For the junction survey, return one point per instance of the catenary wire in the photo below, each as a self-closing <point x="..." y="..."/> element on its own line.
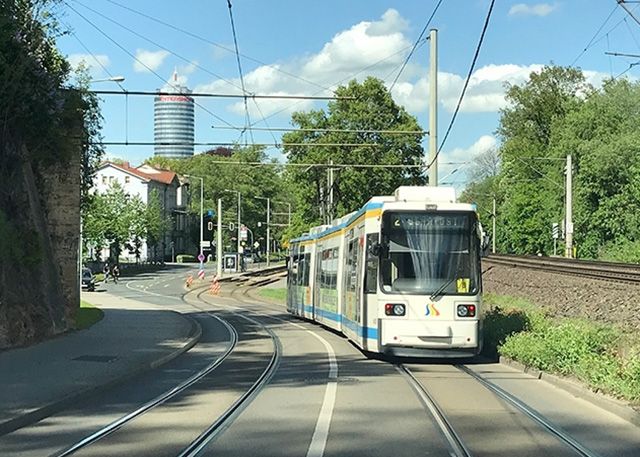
<point x="594" y="36"/>
<point x="244" y="92"/>
<point x="155" y="43"/>
<point x="406" y="61"/>
<point x="88" y="51"/>
<point x="138" y="60"/>
<point x="218" y="45"/>
<point x="231" y="83"/>
<point x="466" y="84"/>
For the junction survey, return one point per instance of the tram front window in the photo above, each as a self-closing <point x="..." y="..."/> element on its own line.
<point x="426" y="251"/>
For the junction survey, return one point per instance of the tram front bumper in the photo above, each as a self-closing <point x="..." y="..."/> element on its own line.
<point x="431" y="334"/>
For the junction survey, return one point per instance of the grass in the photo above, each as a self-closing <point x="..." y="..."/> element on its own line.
<point x="277" y="294"/>
<point x="600" y="355"/>
<point x="87" y="315"/>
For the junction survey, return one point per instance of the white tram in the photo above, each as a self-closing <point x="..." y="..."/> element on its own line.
<point x="401" y="276"/>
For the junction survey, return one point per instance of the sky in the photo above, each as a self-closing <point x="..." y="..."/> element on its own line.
<point x="306" y="47"/>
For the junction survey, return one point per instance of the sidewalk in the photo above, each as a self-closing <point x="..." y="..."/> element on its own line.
<point x="132" y="337"/>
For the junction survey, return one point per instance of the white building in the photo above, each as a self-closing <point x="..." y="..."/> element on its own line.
<point x="174" y="200"/>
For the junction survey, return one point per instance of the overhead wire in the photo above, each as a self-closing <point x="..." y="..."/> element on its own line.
<point x="217" y="45"/>
<point x="594" y="36"/>
<point x="244" y="92"/>
<point x="158" y="45"/>
<point x="88" y="51"/>
<point x="466" y="84"/>
<point x="406" y="61"/>
<point x="138" y="60"/>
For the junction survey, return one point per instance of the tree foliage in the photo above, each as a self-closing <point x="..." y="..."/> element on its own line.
<point x="554" y="114"/>
<point x="249" y="171"/>
<point x="118" y="220"/>
<point x="365" y="107"/>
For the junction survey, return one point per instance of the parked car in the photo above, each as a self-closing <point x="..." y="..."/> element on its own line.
<point x="88" y="280"/>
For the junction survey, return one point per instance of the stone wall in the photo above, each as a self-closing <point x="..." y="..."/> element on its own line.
<point x="62" y="205"/>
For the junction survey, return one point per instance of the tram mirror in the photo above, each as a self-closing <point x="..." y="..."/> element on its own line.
<point x="485" y="245"/>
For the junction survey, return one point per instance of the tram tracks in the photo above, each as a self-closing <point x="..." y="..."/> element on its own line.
<point x="609" y="271"/>
<point x="453" y="436"/>
<point x="226" y="417"/>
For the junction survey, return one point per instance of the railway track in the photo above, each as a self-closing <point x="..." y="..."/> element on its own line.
<point x="226" y="417"/>
<point x="609" y="271"/>
<point x="454" y="437"/>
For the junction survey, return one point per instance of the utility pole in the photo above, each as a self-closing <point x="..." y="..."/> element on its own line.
<point x="568" y="211"/>
<point x="238" y="244"/>
<point x="493" y="232"/>
<point x="219" y="246"/>
<point x="330" y="176"/>
<point x="268" y="231"/>
<point x="433" y="109"/>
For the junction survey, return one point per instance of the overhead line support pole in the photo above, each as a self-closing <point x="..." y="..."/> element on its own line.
<point x="219" y="244"/>
<point x="433" y="108"/>
<point x="569" y="211"/>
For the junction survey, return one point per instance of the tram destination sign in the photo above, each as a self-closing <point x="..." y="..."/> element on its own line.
<point x="428" y="221"/>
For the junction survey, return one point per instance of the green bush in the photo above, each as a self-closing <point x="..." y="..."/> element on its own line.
<point x="583" y="349"/>
<point x="184" y="258"/>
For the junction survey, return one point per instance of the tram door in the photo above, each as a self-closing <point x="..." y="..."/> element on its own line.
<point x="317" y="284"/>
<point x="370" y="290"/>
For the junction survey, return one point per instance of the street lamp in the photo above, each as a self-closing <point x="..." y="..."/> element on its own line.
<point x="268" y="227"/>
<point x="201" y="256"/>
<point x="115" y="79"/>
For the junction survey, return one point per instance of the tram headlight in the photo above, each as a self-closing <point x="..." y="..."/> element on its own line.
<point x="466" y="310"/>
<point x="394" y="309"/>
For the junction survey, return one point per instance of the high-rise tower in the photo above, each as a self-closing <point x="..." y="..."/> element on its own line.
<point x="174" y="120"/>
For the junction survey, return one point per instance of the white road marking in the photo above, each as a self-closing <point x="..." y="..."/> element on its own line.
<point x="321" y="432"/>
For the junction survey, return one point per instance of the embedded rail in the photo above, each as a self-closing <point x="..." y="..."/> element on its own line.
<point x="609" y="271"/>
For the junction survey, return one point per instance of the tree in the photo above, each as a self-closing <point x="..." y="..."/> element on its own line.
<point x="604" y="140"/>
<point x="116" y="218"/>
<point x="531" y="177"/>
<point x="248" y="171"/>
<point x="357" y="118"/>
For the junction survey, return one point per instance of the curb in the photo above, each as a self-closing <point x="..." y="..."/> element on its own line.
<point x="49" y="409"/>
<point x="577" y="389"/>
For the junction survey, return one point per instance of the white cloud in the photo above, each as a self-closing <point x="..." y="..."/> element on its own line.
<point x="485" y="92"/>
<point x="539" y="9"/>
<point x="93" y="62"/>
<point x="340" y="59"/>
<point x="148" y="60"/>
<point x="452" y="166"/>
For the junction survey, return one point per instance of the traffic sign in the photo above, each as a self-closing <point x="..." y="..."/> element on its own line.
<point x="210" y="226"/>
<point x="555" y="230"/>
<point x="200" y="257"/>
<point x="232" y="226"/>
<point x="256" y="245"/>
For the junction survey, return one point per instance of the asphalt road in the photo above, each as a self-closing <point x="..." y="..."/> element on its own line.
<point x="321" y="396"/>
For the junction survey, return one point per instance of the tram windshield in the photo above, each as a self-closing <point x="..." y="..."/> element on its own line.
<point x="424" y="252"/>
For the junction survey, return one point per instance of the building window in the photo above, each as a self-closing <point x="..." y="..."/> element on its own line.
<point x="110" y="179"/>
<point x="127" y="179"/>
<point x="104" y="179"/>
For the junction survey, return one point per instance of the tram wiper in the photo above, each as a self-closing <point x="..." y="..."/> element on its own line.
<point x="441" y="289"/>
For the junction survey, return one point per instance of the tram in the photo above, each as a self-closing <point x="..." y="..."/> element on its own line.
<point x="400" y="277"/>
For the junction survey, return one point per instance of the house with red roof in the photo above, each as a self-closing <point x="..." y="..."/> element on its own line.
<point x="173" y="191"/>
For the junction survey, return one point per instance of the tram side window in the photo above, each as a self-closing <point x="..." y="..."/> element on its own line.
<point x="371" y="269"/>
<point x="352" y="270"/>
<point x="306" y="264"/>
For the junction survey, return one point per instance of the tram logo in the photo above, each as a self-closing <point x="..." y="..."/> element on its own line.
<point x="432" y="310"/>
